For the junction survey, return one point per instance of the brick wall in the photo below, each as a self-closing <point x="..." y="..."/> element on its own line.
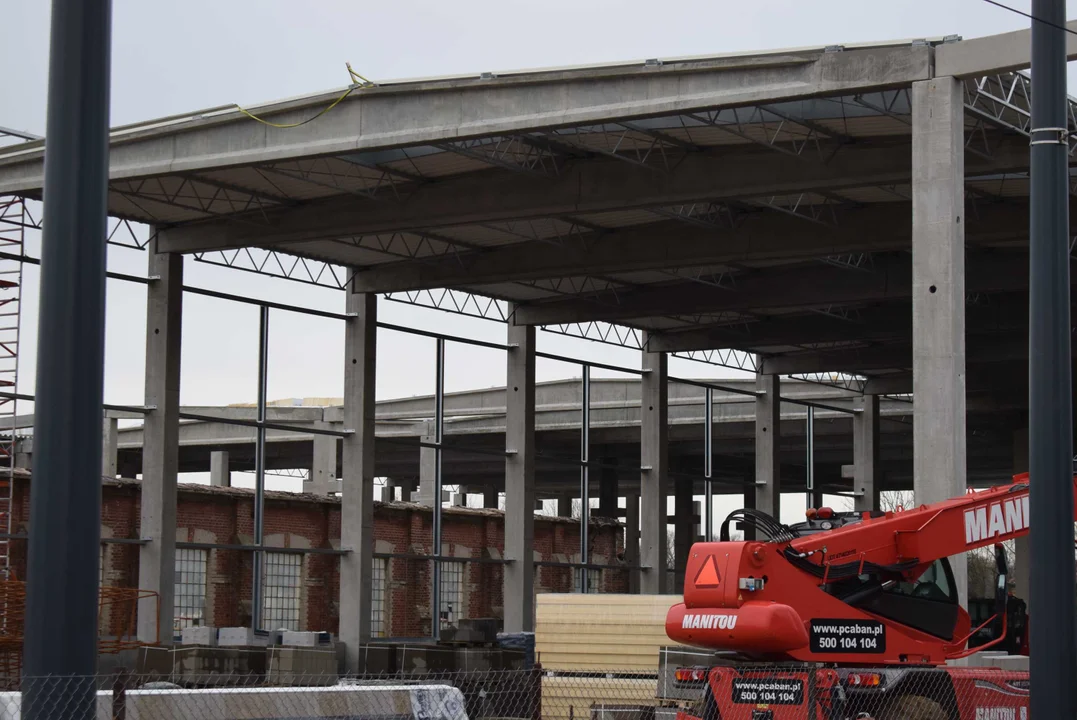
<point x="225" y="516"/>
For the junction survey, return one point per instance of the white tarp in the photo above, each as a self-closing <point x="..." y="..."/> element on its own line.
<point x="339" y="702"/>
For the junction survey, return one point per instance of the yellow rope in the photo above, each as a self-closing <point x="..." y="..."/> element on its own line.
<point x="358" y="81"/>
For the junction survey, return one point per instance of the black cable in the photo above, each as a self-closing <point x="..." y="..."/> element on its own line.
<point x="1030" y="16"/>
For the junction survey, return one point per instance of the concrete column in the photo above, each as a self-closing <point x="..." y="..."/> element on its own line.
<point x="749" y="502"/>
<point x="938" y="299"/>
<point x="388" y="491"/>
<point x="684" y="529"/>
<point x="1023" y="552"/>
<point x="323" y="469"/>
<point x="428" y="467"/>
<point x="160" y="448"/>
<point x="407" y="489"/>
<point x="357" y="488"/>
<point x="519" y="592"/>
<point x="219" y="473"/>
<point x="866" y="481"/>
<point x="490" y="498"/>
<point x="768" y="444"/>
<point x="632" y="541"/>
<point x="564" y="505"/>
<point x="110" y="438"/>
<point x="607" y="489"/>
<point x="654" y="464"/>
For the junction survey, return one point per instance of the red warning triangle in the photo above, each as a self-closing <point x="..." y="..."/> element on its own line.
<point x="707" y="577"/>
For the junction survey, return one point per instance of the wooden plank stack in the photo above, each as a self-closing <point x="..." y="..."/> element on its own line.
<point x="600" y="632"/>
<point x="602" y="650"/>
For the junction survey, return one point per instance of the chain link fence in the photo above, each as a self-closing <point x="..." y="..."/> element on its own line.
<point x="734" y="692"/>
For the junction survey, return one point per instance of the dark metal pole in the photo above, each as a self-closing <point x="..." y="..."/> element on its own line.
<point x="708" y="464"/>
<point x="585" y="475"/>
<point x="809" y="460"/>
<point x="439" y="432"/>
<point x="258" y="582"/>
<point x="60" y="652"/>
<point x="1053" y="639"/>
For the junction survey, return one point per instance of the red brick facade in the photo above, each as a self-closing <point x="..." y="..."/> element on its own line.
<point x="225" y="516"/>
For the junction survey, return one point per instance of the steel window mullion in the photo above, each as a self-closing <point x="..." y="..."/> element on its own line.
<point x="258" y="590"/>
<point x="708" y="462"/>
<point x="585" y="484"/>
<point x="439" y="422"/>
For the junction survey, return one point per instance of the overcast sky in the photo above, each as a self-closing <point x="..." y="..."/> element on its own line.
<point x="178" y="57"/>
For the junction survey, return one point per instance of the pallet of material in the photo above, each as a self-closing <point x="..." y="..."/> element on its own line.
<point x="601" y="632"/>
<point x="572" y="697"/>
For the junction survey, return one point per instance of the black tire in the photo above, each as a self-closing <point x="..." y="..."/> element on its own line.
<point x="913" y="707"/>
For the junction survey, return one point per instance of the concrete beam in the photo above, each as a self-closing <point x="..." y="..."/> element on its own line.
<point x="585" y="187"/>
<point x="654" y="467"/>
<point x="796" y="286"/>
<point x="1001" y="347"/>
<point x="357" y="491"/>
<point x="399" y="114"/>
<point x="519" y="574"/>
<point x="160" y="453"/>
<point x="994" y="53"/>
<point x="889" y="321"/>
<point x="938" y="302"/>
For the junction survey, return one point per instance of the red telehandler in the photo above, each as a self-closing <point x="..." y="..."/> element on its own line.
<point x="851" y="615"/>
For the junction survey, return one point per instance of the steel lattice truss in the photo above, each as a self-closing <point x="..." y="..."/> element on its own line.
<point x="1004" y="101"/>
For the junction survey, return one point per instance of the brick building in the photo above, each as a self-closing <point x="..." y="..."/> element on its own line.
<point x="213" y="584"/>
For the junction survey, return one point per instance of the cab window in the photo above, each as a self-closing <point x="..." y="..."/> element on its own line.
<point x="936" y="583"/>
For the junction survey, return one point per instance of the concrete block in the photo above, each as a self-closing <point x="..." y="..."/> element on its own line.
<point x="377" y="659"/>
<point x="242" y="637"/>
<point x="303" y="666"/>
<point x="199" y="635"/>
<point x="1010" y="662"/>
<point x="419" y="659"/>
<point x="291" y="638"/>
<point x="202" y="666"/>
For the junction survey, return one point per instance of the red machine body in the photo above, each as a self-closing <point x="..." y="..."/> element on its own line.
<point x="846" y="593"/>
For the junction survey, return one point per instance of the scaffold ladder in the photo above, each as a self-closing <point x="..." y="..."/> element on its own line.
<point x="14" y="220"/>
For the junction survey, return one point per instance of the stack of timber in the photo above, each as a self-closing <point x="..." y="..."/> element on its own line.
<point x="599" y="648"/>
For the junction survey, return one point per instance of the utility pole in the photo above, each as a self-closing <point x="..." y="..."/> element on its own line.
<point x="60" y="650"/>
<point x="1053" y="631"/>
